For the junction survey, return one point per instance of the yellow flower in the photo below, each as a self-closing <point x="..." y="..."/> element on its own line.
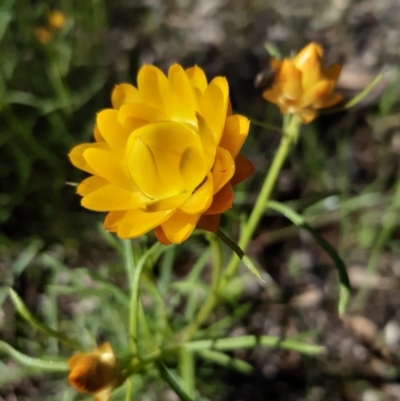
<point x="165" y="157"/>
<point x="95" y="372"/>
<point x="57" y="19"/>
<point x="42" y="35"/>
<point x="302" y="85"/>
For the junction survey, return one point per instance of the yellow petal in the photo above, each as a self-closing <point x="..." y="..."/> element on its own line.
<point x="105" y="348"/>
<point x="109" y="166"/>
<point x="181" y="105"/>
<point x="167" y="204"/>
<point x="124" y="94"/>
<point x="112" y="220"/>
<point x="91" y="184"/>
<point x="161" y="237"/>
<point x="223" y="169"/>
<point x="329" y="101"/>
<point x="272" y="95"/>
<point x="197" y="78"/>
<point x="152" y="83"/>
<point x="309" y="62"/>
<point x="134" y="116"/>
<point x="207" y="142"/>
<point x="235" y="132"/>
<point x="201" y="199"/>
<point x="289" y="80"/>
<point x="97" y="135"/>
<point x="308" y="57"/>
<point x="112" y="198"/>
<point x="307" y="115"/>
<point x="222" y="200"/>
<point x="179" y="227"/>
<point x="317" y="93"/>
<point x="275" y="64"/>
<point x="143" y="168"/>
<point x="76" y="155"/>
<point x="111" y="130"/>
<point x="192" y="168"/>
<point x="103" y="395"/>
<point x="154" y="156"/>
<point x="137" y="222"/>
<point x="214" y="104"/>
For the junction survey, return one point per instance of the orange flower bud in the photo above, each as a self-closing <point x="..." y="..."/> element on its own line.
<point x="302" y="85"/>
<point x="95" y="372"/>
<point x="42" y="35"/>
<point x="57" y="19"/>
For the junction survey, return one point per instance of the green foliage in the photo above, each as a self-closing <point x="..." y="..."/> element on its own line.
<point x="44" y="87"/>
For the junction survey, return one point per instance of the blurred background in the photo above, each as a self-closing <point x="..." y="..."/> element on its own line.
<point x="59" y="61"/>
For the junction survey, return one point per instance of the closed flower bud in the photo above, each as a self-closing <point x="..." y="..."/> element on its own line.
<point x="43" y="35"/>
<point x="95" y="372"/>
<point x="302" y="85"/>
<point x="57" y="19"/>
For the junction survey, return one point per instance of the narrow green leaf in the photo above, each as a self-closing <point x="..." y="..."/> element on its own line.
<point x="245" y="342"/>
<point x="26" y="257"/>
<point x="134" y="273"/>
<point x="166" y="269"/>
<point x="295" y="218"/>
<point x="244" y="258"/>
<point x="26" y="314"/>
<point x="356" y="99"/>
<point x="25" y="360"/>
<point x="193" y="278"/>
<point x="173" y="382"/>
<point x="225" y="360"/>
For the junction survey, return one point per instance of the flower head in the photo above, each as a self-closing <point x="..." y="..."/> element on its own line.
<point x="42" y="34"/>
<point x="302" y="85"/>
<point x="165" y="157"/>
<point x="95" y="372"/>
<point x="57" y="19"/>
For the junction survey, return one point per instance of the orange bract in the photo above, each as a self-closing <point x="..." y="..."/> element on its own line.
<point x="165" y="155"/>
<point x="302" y="85"/>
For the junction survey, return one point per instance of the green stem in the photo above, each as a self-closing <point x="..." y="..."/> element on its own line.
<point x="289" y="137"/>
<point x="134" y="273"/>
<point x="128" y="259"/>
<point x="186" y="369"/>
<point x="214" y="293"/>
<point x="134" y="364"/>
<point x="217" y="262"/>
<point x="129" y="390"/>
